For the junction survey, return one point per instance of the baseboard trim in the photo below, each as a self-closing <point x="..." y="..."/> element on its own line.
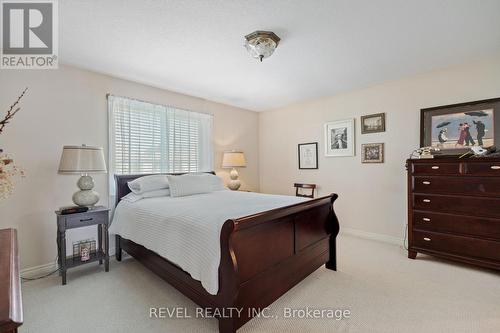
<point x="41" y="270"/>
<point x="35" y="271"/>
<point x="372" y="236"/>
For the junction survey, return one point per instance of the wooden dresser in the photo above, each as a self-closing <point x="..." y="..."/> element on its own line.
<point x="11" y="310"/>
<point x="454" y="209"/>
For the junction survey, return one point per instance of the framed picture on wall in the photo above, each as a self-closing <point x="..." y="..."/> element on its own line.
<point x="372" y="153"/>
<point x="454" y="129"/>
<point x="339" y="138"/>
<point x="308" y="155"/>
<point x="373" y="123"/>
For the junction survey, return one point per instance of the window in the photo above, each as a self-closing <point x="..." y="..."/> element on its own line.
<point x="151" y="138"/>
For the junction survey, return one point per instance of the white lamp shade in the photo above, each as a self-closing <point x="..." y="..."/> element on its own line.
<point x="234" y="159"/>
<point x="81" y="160"/>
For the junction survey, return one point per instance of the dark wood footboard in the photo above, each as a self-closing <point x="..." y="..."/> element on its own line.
<point x="262" y="257"/>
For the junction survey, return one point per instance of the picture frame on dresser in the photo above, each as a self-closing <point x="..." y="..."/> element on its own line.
<point x="455" y="128"/>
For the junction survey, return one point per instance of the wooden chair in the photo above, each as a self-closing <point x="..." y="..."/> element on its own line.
<point x="311" y="187"/>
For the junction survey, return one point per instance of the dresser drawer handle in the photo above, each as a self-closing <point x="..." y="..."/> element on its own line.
<point x="427" y="239"/>
<point x="86" y="220"/>
<point x="426" y="182"/>
<point x="435" y="167"/>
<point x="495" y="167"/>
<point x="426" y="219"/>
<point x="426" y="200"/>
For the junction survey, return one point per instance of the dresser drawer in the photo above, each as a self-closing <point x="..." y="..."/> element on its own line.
<point x="436" y="168"/>
<point x="468" y="205"/>
<point x="457" y="224"/>
<point x="459" y="245"/>
<point x="489" y="169"/>
<point x="487" y="186"/>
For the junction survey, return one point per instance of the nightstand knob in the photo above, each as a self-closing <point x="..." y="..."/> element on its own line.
<point x="495" y="167"/>
<point x="426" y="200"/>
<point x="426" y="182"/>
<point x="86" y="220"/>
<point x="427" y="239"/>
<point x="426" y="219"/>
<point x="435" y="167"/>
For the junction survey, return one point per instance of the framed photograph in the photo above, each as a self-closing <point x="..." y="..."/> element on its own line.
<point x="339" y="138"/>
<point x="372" y="153"/>
<point x="455" y="128"/>
<point x="373" y="123"/>
<point x="308" y="155"/>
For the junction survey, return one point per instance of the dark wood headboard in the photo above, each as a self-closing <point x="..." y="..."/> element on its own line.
<point x="121" y="181"/>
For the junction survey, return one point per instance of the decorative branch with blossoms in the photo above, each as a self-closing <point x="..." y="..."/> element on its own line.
<point x="8" y="170"/>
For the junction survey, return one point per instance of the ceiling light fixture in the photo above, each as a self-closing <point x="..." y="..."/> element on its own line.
<point x="261" y="44"/>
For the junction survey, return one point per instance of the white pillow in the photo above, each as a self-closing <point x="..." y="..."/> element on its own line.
<point x="148" y="183"/>
<point x="133" y="197"/>
<point x="190" y="184"/>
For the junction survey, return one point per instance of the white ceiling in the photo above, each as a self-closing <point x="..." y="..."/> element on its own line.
<point x="327" y="46"/>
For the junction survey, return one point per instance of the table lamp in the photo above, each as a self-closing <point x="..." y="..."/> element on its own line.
<point x="234" y="159"/>
<point x="83" y="160"/>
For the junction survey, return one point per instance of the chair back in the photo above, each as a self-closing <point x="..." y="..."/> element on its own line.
<point x="300" y="187"/>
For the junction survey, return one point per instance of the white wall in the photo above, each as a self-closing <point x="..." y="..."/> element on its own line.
<point x="68" y="106"/>
<point x="372" y="198"/>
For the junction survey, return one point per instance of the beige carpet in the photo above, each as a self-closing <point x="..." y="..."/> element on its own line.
<point x="384" y="291"/>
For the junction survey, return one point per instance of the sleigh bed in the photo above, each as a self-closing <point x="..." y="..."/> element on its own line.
<point x="262" y="256"/>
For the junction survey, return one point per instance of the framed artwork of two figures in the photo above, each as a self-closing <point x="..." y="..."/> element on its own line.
<point x="455" y="128"/>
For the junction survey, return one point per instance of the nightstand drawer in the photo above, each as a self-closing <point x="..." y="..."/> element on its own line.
<point x="81" y="220"/>
<point x="488" y="169"/>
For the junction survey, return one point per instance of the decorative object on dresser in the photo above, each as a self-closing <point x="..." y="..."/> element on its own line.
<point x="454" y="209"/>
<point x="83" y="160"/>
<point x="234" y="159"/>
<point x="308" y="155"/>
<point x="372" y="153"/>
<point x="455" y="128"/>
<point x="339" y="138"/>
<point x="11" y="308"/>
<point x="99" y="216"/>
<point x="299" y="187"/>
<point x="373" y="123"/>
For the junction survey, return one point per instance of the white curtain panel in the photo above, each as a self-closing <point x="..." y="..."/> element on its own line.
<point x="152" y="138"/>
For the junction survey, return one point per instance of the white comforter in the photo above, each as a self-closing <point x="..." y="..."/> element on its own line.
<point x="186" y="230"/>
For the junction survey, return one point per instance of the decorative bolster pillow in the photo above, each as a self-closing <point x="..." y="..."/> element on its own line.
<point x="148" y="183"/>
<point x="132" y="197"/>
<point x="190" y="184"/>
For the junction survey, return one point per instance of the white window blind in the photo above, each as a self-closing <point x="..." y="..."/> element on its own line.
<point x="152" y="138"/>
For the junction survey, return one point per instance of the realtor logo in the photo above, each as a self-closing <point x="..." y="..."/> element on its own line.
<point x="29" y="34"/>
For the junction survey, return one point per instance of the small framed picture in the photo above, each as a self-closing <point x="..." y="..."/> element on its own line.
<point x="308" y="155"/>
<point x="372" y="153"/>
<point x="373" y="123"/>
<point x="339" y="138"/>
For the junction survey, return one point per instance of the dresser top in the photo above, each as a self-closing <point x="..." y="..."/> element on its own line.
<point x="455" y="160"/>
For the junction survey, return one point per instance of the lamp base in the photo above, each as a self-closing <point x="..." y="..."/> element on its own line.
<point x="234" y="183"/>
<point x="86" y="197"/>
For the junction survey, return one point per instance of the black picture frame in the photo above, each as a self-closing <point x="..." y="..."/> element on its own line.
<point x="426" y="115"/>
<point x="315" y="160"/>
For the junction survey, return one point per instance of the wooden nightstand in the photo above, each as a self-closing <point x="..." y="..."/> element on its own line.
<point x="99" y="216"/>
